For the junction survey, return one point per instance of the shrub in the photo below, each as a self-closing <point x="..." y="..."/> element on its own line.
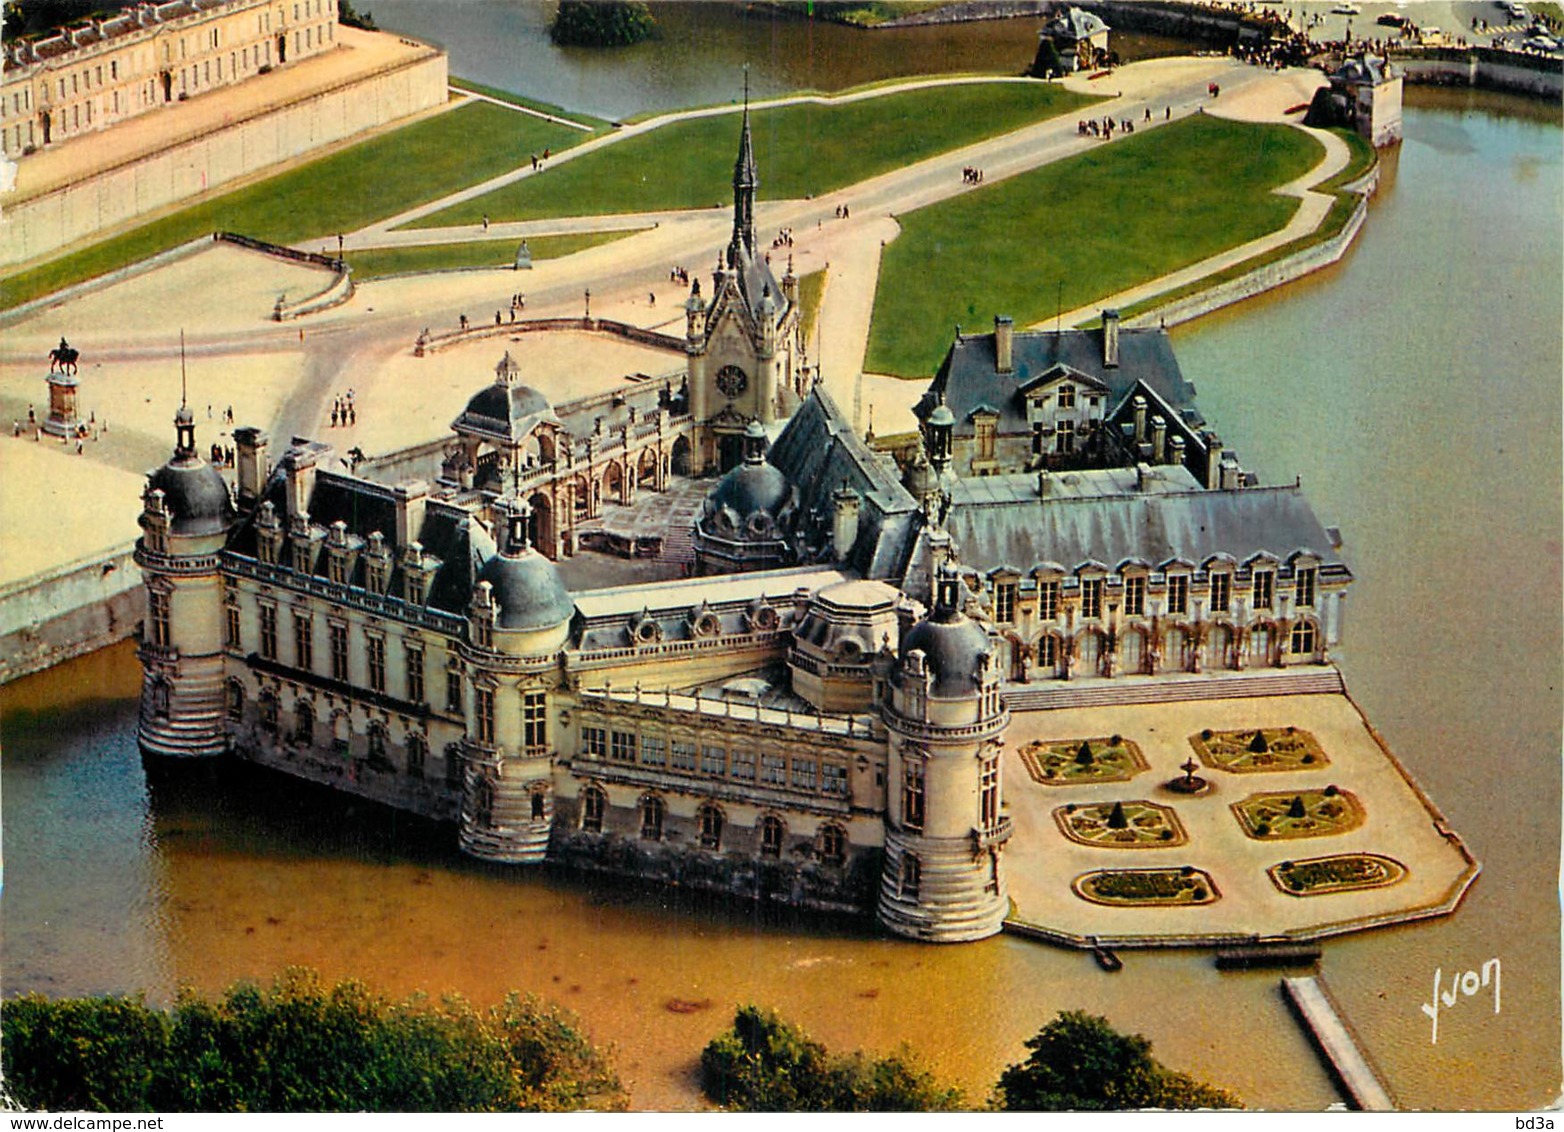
<point x="1258" y="744"/>
<point x="1307" y="759"/>
<point x="763" y="1064"/>
<point x="1297" y="810"/>
<point x="301" y="1047"/>
<point x="1083" y="755"/>
<point x="1331" y="791"/>
<point x="1206" y="734"/>
<point x="1079" y="1062"/>
<point x="1200" y="892"/>
<point x="1116" y="819"/>
<point x="1166" y="835"/>
<point x="1263" y="829"/>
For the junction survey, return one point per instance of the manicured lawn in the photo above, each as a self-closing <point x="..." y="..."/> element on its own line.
<point x="376" y="263"/>
<point x="1129" y="211"/>
<point x="344" y="191"/>
<point x="801" y="150"/>
<point x="811" y="289"/>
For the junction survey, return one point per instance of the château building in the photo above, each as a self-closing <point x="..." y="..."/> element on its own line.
<point x="105" y="70"/>
<point x="818" y="719"/>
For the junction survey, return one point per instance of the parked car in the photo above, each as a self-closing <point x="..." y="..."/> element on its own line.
<point x="1391" y="20"/>
<point x="1347" y="10"/>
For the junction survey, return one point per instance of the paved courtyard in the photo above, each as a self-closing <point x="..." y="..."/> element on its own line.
<point x="1041" y="862"/>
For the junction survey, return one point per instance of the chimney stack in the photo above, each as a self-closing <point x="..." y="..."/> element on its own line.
<point x="410" y="500"/>
<point x="1159" y="439"/>
<point x="250" y="455"/>
<point x="1110" y="338"/>
<point x="1004" y="343"/>
<point x="1213" y="461"/>
<point x="1140" y="419"/>
<point x="1176" y="453"/>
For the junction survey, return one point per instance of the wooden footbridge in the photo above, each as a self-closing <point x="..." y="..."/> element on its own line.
<point x="1320" y="1016"/>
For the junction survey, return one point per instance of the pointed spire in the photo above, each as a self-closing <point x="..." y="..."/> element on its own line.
<point x="746" y="180"/>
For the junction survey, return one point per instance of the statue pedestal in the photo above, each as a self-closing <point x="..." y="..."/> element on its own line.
<point x="63" y="419"/>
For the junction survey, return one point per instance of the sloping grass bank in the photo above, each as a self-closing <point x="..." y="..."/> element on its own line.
<point x="802" y="150"/>
<point x="377" y="263"/>
<point x="347" y="190"/>
<point x="1078" y="230"/>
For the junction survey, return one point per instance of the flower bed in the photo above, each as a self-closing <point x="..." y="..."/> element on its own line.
<point x="1070" y="762"/>
<point x="1344" y="872"/>
<point x="1303" y="813"/>
<point x="1159" y="888"/>
<point x="1135" y="824"/>
<point x="1259" y="750"/>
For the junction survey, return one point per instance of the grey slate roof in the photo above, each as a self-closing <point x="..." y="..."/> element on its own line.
<point x="1074" y="24"/>
<point x="968" y="378"/>
<point x="1152" y="527"/>
<point x="818" y="451"/>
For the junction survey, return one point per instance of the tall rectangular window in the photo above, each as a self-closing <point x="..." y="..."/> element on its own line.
<point x="413" y="661"/>
<point x="376" y="653"/>
<point x="986" y="428"/>
<point x="714" y="759"/>
<point x="1221" y="592"/>
<point x="1091" y="597"/>
<point x="833" y="779"/>
<point x="622" y="746"/>
<point x="742" y="766"/>
<point x="534" y="719"/>
<point x="304" y="641"/>
<point x="157" y="611"/>
<point x="1264" y="589"/>
<point x="339" y="652"/>
<point x="773" y="770"/>
<point x="912" y="796"/>
<point x="1039" y="437"/>
<point x="453" y="691"/>
<point x="594" y="742"/>
<point x="1178" y="593"/>
<point x="1305" y="587"/>
<point x="234" y="639"/>
<point x="268" y="632"/>
<point x="1047" y="600"/>
<point x="1064" y="438"/>
<point x="654" y="750"/>
<point x="1004" y="601"/>
<point x="1067" y="396"/>
<point x="484" y="710"/>
<point x="989" y="793"/>
<point x="683" y="755"/>
<point x="1135" y="595"/>
<point x="804" y="774"/>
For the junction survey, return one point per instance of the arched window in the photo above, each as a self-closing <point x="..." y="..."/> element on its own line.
<point x="652" y="811"/>
<point x="772" y="834"/>
<point x="1303" y="638"/>
<point x="303" y="723"/>
<point x="710" y="818"/>
<point x="833" y="844"/>
<point x="417" y="753"/>
<point x="235" y="700"/>
<point x="269" y="709"/>
<point x="593" y="803"/>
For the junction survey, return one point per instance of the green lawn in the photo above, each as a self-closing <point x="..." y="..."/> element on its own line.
<point x="531" y="103"/>
<point x="1121" y="214"/>
<point x="802" y="150"/>
<point x="376" y="263"/>
<point x="350" y="188"/>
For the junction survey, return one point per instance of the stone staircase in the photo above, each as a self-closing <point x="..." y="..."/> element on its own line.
<point x="1100" y="692"/>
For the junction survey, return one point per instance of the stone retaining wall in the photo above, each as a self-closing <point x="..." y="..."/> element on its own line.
<point x="68" y="612"/>
<point x="1481" y="70"/>
<point x="46" y="223"/>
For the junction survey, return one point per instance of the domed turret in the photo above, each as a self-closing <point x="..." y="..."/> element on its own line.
<point x="194" y="494"/>
<point x="747" y="521"/>
<point x="528" y="593"/>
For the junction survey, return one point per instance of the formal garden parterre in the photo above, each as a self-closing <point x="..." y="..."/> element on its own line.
<point x="1075" y="762"/>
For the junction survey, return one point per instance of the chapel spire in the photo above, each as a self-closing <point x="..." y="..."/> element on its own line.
<point x="745" y="181"/>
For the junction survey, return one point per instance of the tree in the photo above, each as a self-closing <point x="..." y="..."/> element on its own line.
<point x="601" y="23"/>
<point x="1080" y="1062"/>
<point x="1116" y="818"/>
<point x="301" y="1047"/>
<point x="763" y="1064"/>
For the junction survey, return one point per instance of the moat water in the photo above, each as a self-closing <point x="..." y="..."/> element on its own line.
<point x="1415" y="388"/>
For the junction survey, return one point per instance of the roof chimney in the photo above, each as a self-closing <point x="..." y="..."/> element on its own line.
<point x="1110" y="338"/>
<point x="1004" y="343"/>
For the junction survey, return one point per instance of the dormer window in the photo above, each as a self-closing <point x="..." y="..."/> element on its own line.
<point x="301" y="554"/>
<point x="1091" y="597"/>
<point x="1135" y="595"/>
<point x="1264" y="589"/>
<point x="1221" y="591"/>
<point x="1178" y="593"/>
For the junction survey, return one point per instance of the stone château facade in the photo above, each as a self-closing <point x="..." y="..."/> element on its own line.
<point x="103" y="71"/>
<point x="820" y="720"/>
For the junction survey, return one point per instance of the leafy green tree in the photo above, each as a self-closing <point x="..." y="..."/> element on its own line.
<point x="1080" y="1062"/>
<point x="601" y="23"/>
<point x="763" y="1064"/>
<point x="302" y="1047"/>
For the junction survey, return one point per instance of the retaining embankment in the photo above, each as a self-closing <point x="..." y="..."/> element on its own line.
<point x="334" y="294"/>
<point x="69" y="611"/>
<point x="115" y="196"/>
<point x="1538" y="76"/>
<point x="1272" y="275"/>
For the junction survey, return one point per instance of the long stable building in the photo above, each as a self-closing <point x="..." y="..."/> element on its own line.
<point x="819" y="718"/>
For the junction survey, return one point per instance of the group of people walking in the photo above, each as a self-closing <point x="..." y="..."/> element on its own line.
<point x="344" y="413"/>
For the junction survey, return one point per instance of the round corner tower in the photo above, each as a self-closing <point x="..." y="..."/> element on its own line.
<point x="185" y="519"/>
<point x="942" y="878"/>
<point x="518" y="621"/>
